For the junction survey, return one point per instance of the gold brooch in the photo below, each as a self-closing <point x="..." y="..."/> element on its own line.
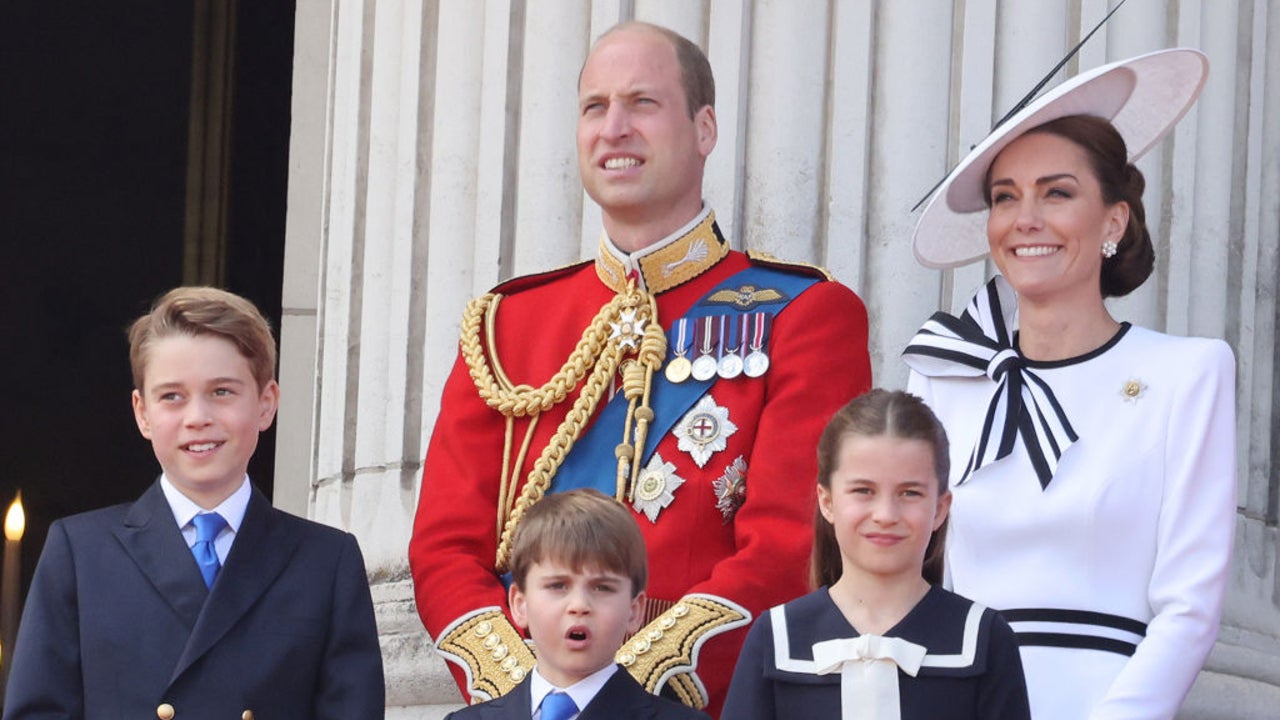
<point x="1132" y="390"/>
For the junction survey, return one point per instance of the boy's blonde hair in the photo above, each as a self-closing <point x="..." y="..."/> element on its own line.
<point x="205" y="311"/>
<point x="580" y="528"/>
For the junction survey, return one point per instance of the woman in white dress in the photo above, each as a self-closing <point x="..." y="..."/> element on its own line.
<point x="1093" y="461"/>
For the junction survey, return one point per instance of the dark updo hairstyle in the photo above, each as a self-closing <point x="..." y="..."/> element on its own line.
<point x="891" y="413"/>
<point x="1120" y="181"/>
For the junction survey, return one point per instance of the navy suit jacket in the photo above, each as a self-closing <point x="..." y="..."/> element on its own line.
<point x="621" y="698"/>
<point x="118" y="621"/>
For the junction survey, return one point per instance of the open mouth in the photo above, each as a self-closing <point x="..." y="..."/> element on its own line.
<point x="201" y="447"/>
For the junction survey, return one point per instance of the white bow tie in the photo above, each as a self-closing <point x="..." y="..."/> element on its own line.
<point x="868" y="667"/>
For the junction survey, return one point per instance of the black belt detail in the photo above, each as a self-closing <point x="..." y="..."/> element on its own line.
<point x="1087" y="642"/>
<point x="1080" y="617"/>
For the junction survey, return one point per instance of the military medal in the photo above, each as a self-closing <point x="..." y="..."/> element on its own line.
<point x="679" y="368"/>
<point x="757" y="362"/>
<point x="704" y="366"/>
<point x="654" y="489"/>
<point x="704" y="430"/>
<point x="730" y="361"/>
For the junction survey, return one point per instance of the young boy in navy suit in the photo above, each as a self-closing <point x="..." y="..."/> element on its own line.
<point x="199" y="600"/>
<point x="578" y="573"/>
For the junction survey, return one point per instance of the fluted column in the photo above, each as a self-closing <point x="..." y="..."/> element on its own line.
<point x="433" y="155"/>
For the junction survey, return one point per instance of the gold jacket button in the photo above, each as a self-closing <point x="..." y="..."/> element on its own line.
<point x="246" y="715"/>
<point x="165" y="711"/>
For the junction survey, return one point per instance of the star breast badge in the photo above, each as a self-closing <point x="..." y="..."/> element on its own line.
<point x="655" y="488"/>
<point x="704" y="430"/>
<point x="731" y="489"/>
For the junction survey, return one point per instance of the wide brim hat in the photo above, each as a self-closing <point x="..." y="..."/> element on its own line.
<point x="1143" y="97"/>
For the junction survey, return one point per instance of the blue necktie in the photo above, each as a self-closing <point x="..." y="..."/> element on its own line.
<point x="208" y="525"/>
<point x="558" y="706"/>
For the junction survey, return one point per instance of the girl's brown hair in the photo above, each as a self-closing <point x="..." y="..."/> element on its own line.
<point x="891" y="413"/>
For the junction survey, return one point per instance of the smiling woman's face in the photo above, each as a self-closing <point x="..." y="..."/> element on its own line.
<point x="1048" y="220"/>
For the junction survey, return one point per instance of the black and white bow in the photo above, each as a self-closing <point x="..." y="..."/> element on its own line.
<point x="1022" y="405"/>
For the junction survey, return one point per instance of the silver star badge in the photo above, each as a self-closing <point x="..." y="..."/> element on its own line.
<point x="704" y="430"/>
<point x="655" y="488"/>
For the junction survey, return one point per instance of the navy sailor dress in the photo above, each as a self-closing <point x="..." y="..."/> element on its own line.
<point x="968" y="664"/>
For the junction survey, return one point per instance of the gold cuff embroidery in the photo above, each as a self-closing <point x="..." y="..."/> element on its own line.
<point x="492" y="651"/>
<point x="667" y="648"/>
<point x="688" y="690"/>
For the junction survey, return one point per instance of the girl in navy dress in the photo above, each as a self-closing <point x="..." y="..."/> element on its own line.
<point x="879" y="638"/>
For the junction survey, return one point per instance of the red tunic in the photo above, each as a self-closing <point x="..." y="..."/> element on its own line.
<point x="757" y="558"/>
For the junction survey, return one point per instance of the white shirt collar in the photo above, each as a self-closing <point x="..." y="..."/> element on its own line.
<point x="582" y="692"/>
<point x="184" y="508"/>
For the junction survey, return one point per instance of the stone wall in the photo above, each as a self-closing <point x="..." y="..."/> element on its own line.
<point x="432" y="156"/>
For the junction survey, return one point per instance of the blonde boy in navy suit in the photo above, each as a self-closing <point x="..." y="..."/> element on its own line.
<point x="199" y="600"/>
<point x="578" y="571"/>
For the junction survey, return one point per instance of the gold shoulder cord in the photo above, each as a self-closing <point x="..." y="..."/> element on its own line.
<point x="607" y="341"/>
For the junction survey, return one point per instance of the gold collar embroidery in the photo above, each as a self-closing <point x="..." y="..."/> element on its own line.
<point x="670" y="266"/>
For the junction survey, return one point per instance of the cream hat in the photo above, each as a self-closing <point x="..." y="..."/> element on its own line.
<point x="1143" y="97"/>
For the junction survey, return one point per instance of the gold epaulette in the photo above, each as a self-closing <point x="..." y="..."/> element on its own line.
<point x="490" y="650"/>
<point x="666" y="650"/>
<point x="761" y="257"/>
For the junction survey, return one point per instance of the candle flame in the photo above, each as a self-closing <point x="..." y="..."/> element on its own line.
<point x="15" y="521"/>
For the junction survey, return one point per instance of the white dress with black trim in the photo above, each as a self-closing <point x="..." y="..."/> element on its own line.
<point x="1113" y="573"/>
<point x="968" y="667"/>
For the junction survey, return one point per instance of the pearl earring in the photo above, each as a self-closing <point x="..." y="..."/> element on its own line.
<point x="1109" y="249"/>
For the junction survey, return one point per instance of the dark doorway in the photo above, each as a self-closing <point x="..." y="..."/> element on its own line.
<point x="95" y="126"/>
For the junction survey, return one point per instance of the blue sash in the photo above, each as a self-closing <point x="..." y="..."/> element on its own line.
<point x="591" y="462"/>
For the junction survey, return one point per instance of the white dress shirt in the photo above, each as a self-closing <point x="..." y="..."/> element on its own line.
<point x="582" y="692"/>
<point x="232" y="510"/>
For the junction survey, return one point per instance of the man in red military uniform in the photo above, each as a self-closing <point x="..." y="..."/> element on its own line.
<point x="688" y="380"/>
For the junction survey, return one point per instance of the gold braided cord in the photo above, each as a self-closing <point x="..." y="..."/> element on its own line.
<point x="626" y="449"/>
<point x="556" y="450"/>
<point x="596" y="358"/>
<point x="521" y="401"/>
<point x="507" y="487"/>
<point x="491" y="340"/>
<point x="510" y="469"/>
<point x="653" y="350"/>
<point x="504" y="479"/>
